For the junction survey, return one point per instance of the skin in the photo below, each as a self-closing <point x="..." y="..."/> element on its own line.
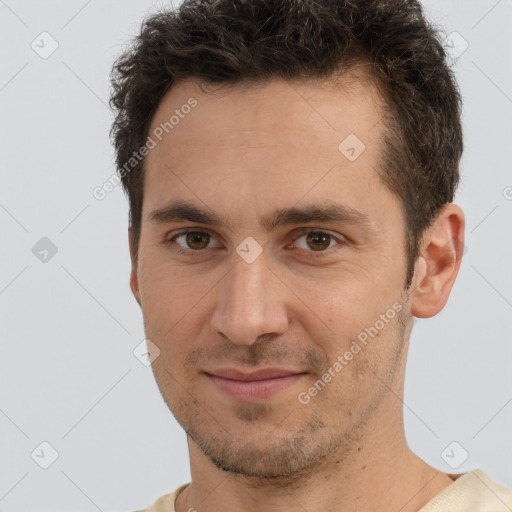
<point x="242" y="153"/>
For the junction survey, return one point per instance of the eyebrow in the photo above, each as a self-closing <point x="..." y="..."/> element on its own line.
<point x="182" y="210"/>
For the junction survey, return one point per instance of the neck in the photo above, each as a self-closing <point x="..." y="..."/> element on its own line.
<point x="378" y="473"/>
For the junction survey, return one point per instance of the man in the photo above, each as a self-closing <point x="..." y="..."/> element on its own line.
<point x="290" y="168"/>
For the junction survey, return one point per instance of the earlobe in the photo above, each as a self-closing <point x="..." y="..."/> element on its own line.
<point x="439" y="262"/>
<point x="134" y="285"/>
<point x="134" y="279"/>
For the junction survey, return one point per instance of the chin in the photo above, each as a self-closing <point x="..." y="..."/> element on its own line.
<point x="278" y="453"/>
<point x="259" y="462"/>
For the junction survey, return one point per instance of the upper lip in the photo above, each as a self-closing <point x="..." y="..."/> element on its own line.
<point x="265" y="373"/>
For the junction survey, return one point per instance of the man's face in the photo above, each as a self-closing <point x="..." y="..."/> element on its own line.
<point x="244" y="336"/>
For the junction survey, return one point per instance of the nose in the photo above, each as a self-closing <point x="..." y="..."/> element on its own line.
<point x="251" y="303"/>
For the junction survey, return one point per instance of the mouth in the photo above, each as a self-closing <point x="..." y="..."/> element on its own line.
<point x="255" y="386"/>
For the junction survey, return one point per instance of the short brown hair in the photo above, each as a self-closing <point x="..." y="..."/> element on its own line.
<point x="235" y="41"/>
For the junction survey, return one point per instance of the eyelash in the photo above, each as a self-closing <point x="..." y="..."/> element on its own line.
<point x="198" y="253"/>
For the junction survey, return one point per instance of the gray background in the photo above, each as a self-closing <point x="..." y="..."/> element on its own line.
<point x="68" y="375"/>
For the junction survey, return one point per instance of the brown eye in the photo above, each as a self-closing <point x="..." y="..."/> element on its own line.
<point x="318" y="241"/>
<point x="197" y="240"/>
<point x="194" y="241"/>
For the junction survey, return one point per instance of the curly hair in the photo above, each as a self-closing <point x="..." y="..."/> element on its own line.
<point x="236" y="41"/>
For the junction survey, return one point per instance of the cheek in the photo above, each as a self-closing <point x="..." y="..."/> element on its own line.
<point x="174" y="302"/>
<point x="164" y="286"/>
<point x="341" y="305"/>
<point x="341" y="315"/>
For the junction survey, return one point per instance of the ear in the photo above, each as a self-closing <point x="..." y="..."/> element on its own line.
<point x="438" y="264"/>
<point x="134" y="280"/>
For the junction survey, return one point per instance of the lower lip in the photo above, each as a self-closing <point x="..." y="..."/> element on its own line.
<point x="250" y="391"/>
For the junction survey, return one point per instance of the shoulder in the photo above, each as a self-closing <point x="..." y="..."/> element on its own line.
<point x="474" y="491"/>
<point x="165" y="503"/>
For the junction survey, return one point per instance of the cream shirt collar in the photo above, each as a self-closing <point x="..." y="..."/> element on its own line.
<point x="470" y="492"/>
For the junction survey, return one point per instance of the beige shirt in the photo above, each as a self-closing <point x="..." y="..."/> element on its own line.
<point x="470" y="492"/>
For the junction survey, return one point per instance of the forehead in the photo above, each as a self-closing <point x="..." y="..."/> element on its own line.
<point x="251" y="113"/>
<point x="256" y="139"/>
